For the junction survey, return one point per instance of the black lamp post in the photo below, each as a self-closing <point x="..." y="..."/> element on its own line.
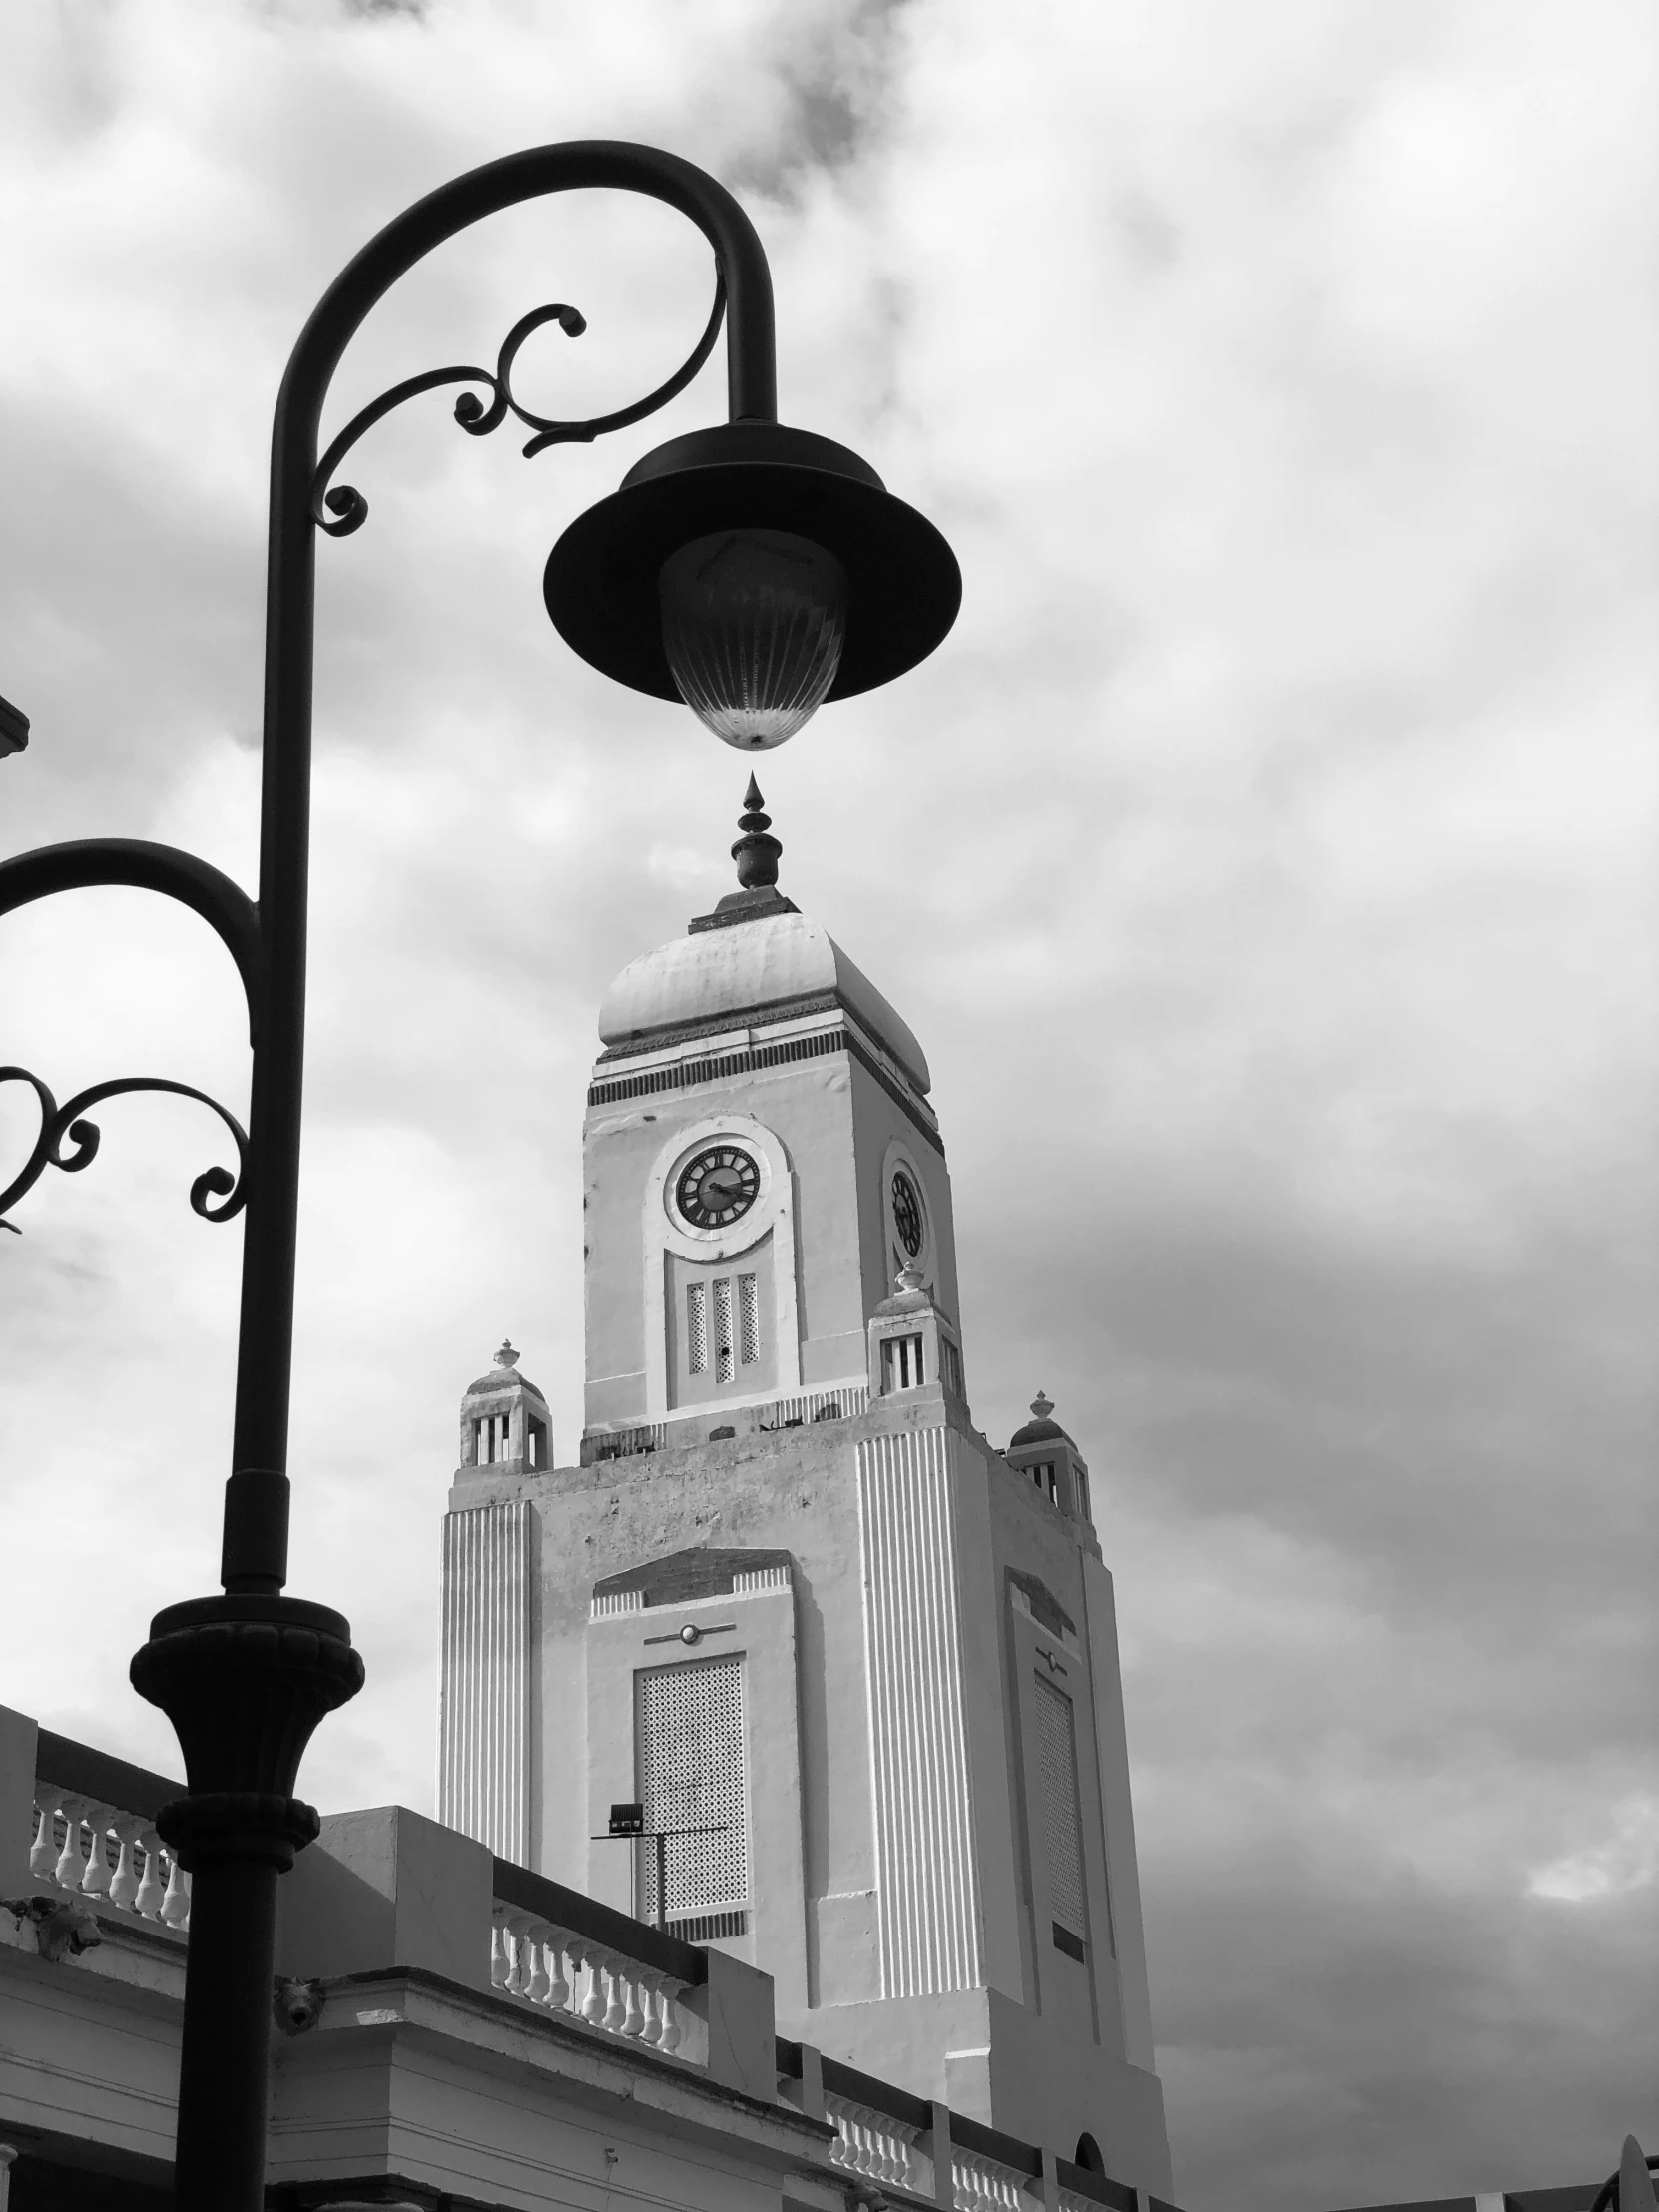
<point x="752" y="570"/>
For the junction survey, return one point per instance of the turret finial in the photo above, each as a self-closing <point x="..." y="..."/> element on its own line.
<point x="507" y="1356"/>
<point x="755" y="853"/>
<point x="1042" y="1405"/>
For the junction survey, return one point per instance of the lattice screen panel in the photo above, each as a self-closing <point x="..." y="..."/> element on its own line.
<point x="1062" y="1822"/>
<point x="688" y="1738"/>
<point x="697" y="1328"/>
<point x="749" y="1320"/>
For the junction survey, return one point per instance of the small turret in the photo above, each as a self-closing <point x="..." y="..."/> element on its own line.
<point x="1046" y="1455"/>
<point x="504" y="1420"/>
<point x="911" y="1342"/>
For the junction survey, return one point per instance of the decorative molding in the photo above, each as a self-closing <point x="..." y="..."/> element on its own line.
<point x="763" y="1578"/>
<point x="734" y="1018"/>
<point x="679" y="1075"/>
<point x="683" y="1075"/>
<point x="808" y="1407"/>
<point x="485" y="1713"/>
<point x="615" y="1601"/>
<point x="929" y="1907"/>
<point x="1033" y="1597"/>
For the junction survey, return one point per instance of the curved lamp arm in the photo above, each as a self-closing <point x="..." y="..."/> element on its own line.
<point x="225" y="908"/>
<point x="138" y="866"/>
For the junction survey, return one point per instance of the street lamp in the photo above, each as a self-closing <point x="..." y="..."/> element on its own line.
<point x="752" y="570"/>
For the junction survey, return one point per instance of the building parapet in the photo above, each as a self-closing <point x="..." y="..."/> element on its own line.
<point x="92" y="1833"/>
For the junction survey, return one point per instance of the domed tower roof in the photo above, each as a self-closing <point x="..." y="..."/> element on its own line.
<point x="1039" y="1429"/>
<point x="504" y="1375"/>
<point x="755" y="957"/>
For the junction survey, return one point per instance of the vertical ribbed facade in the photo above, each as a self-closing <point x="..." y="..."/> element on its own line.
<point x="485" y="1695"/>
<point x="928" y="1878"/>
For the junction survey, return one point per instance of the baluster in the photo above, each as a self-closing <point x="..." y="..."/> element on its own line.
<point x="892" y="2152"/>
<point x="124" y="1882"/>
<point x="518" y="1927"/>
<point x="593" y="2005"/>
<point x="650" y="1985"/>
<point x="175" y="1902"/>
<point x="616" y="2010"/>
<point x="634" y="2019"/>
<point x="537" y="1986"/>
<point x="879" y="2159"/>
<point x="908" y="2138"/>
<point x="500" y="1966"/>
<point x="888" y="2170"/>
<point x="558" y="1989"/>
<point x="151" y="1890"/>
<point x="43" y="1855"/>
<point x="70" y="1866"/>
<point x="673" y="2033"/>
<point x="95" y="1883"/>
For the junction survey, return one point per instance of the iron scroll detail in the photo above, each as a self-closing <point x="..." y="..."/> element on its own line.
<point x="58" y="1123"/>
<point x="348" y="506"/>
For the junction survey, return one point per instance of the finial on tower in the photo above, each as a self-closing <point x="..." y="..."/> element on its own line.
<point x="755" y="853"/>
<point x="507" y="1356"/>
<point x="1042" y="1405"/>
<point x="757" y="897"/>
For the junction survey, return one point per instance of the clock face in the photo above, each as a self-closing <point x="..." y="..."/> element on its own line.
<point x="717" y="1187"/>
<point x="906" y="1213"/>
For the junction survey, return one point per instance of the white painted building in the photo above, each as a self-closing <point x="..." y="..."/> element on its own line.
<point x="788" y="1597"/>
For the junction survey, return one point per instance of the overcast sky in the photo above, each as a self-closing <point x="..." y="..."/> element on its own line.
<point x="1267" y="865"/>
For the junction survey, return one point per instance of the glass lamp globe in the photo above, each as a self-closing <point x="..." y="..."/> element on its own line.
<point x="754" y="622"/>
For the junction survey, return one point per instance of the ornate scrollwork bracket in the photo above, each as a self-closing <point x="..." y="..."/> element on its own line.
<point x="217" y="1195"/>
<point x="58" y="1123"/>
<point x="349" y="508"/>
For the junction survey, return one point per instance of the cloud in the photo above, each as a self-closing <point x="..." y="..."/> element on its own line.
<point x="1266" y="865"/>
<point x="1625" y="1861"/>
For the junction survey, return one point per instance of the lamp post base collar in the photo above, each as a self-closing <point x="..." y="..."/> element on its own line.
<point x="217" y="1826"/>
<point x="244" y="1680"/>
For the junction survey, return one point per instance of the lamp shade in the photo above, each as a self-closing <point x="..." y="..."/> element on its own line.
<point x="605" y="584"/>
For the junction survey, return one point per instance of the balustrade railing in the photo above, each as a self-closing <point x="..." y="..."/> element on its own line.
<point x="982" y="2184"/>
<point x="95" y="1834"/>
<point x="561" y="1953"/>
<point x="564" y="1954"/>
<point x="875" y="2144"/>
<point x="993" y="2172"/>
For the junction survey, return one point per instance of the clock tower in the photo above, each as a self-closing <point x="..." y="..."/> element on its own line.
<point x="788" y="1597"/>
<point x="761" y="1160"/>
